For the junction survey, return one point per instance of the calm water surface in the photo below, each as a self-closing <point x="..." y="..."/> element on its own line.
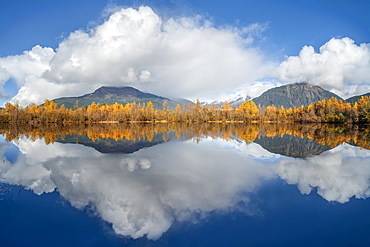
<point x="248" y="187"/>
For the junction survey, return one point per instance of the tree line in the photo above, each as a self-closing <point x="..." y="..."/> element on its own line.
<point x="324" y="111"/>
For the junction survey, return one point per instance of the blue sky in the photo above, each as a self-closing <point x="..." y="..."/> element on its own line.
<point x="292" y="23"/>
<point x="282" y="29"/>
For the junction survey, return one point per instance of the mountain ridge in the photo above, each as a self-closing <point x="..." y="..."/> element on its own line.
<point x="294" y="95"/>
<point x="111" y="95"/>
<point x="356" y="98"/>
<point x="122" y="91"/>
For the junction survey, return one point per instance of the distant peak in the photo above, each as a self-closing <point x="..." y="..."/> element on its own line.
<point x="123" y="92"/>
<point x="114" y="89"/>
<point x="300" y="84"/>
<point x="111" y="87"/>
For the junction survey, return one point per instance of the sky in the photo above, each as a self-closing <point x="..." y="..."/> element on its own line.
<point x="192" y="49"/>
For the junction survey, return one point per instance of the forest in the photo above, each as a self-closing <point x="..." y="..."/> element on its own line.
<point x="325" y="111"/>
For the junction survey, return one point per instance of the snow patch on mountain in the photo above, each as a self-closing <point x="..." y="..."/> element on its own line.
<point x="237" y="98"/>
<point x="244" y="93"/>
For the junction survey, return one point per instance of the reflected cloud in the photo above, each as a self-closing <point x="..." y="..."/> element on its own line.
<point x="18" y="172"/>
<point x="338" y="174"/>
<point x="252" y="150"/>
<point x="145" y="192"/>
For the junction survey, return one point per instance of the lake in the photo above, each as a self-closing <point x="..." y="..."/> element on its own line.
<point x="185" y="185"/>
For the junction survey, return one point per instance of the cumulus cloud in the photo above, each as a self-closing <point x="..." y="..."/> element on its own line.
<point x="179" y="57"/>
<point x="338" y="174"/>
<point x="24" y="68"/>
<point x="340" y="66"/>
<point x="31" y="63"/>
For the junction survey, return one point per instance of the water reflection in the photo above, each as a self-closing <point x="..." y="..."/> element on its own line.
<point x="294" y="140"/>
<point x="208" y="169"/>
<point x="338" y="174"/>
<point x="144" y="192"/>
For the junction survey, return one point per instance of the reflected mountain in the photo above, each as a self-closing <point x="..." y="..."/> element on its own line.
<point x="292" y="146"/>
<point x="123" y="145"/>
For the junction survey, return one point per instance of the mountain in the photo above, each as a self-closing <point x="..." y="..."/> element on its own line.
<point x="116" y="146"/>
<point x="356" y="98"/>
<point x="181" y="100"/>
<point x="294" y="95"/>
<point x="111" y="95"/>
<point x="235" y="100"/>
<point x="291" y="146"/>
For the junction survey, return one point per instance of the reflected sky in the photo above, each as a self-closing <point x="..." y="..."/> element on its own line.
<point x="144" y="193"/>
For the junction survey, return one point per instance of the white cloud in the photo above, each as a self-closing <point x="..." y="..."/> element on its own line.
<point x="340" y="66"/>
<point x="4" y="76"/>
<point x="179" y="57"/>
<point x="31" y="63"/>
